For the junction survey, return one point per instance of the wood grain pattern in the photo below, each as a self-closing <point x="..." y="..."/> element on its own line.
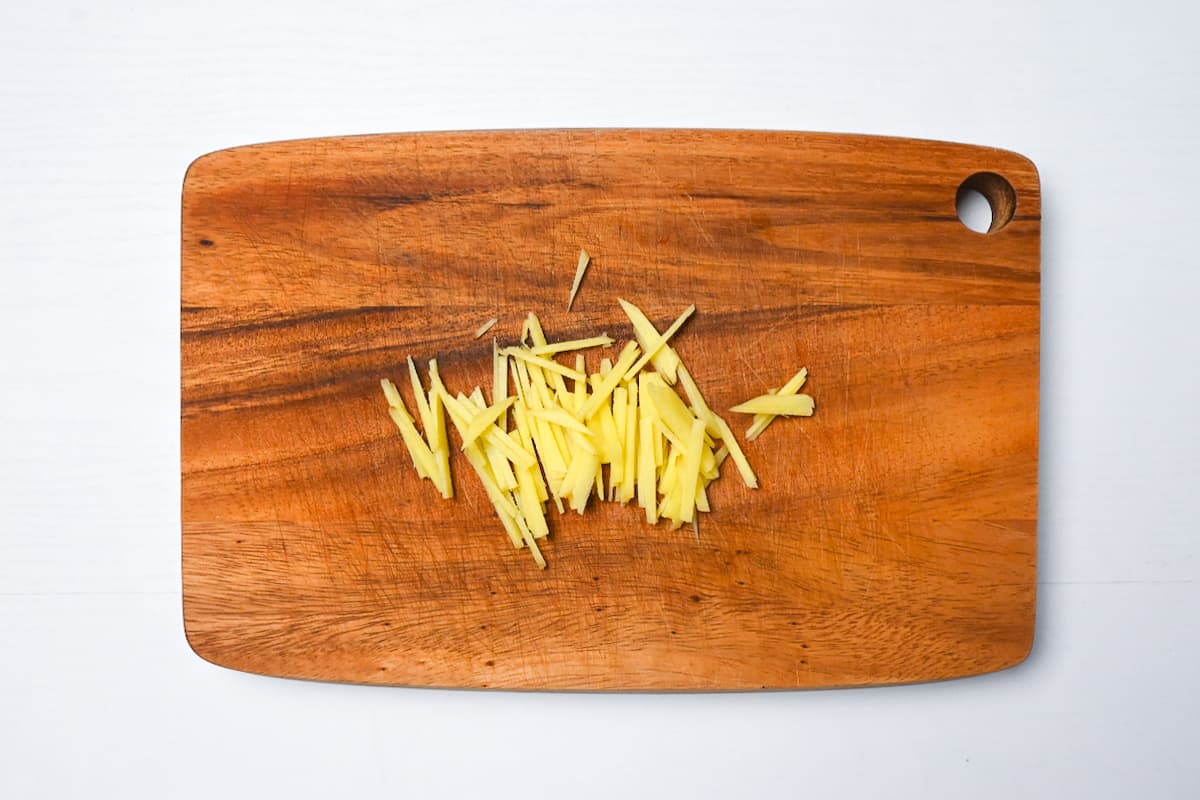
<point x="893" y="539"/>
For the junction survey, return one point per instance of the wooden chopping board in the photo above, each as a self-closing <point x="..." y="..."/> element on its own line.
<point x="893" y="538"/>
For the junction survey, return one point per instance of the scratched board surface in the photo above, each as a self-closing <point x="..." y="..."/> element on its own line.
<point x="893" y="538"/>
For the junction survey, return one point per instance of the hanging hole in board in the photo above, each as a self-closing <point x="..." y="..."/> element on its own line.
<point x="986" y="202"/>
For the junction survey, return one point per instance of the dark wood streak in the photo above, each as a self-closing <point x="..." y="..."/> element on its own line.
<point x="980" y="270"/>
<point x="289" y="321"/>
<point x="394" y="201"/>
<point x="317" y="318"/>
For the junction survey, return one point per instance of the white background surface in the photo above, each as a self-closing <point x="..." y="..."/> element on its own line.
<point x="101" y="109"/>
